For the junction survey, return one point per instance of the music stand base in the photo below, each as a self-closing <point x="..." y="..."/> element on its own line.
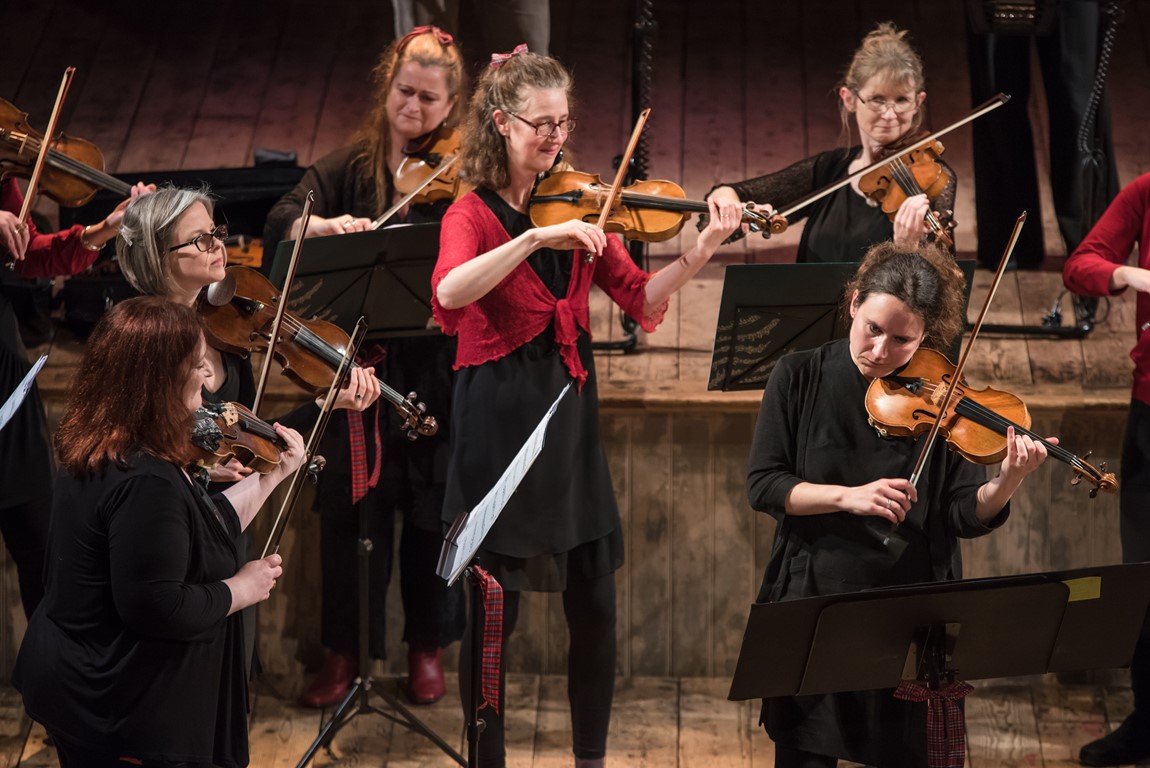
<point x="358" y="702"/>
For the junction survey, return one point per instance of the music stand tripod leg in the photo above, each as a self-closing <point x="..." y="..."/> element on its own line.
<point x="364" y="684"/>
<point x="475" y="724"/>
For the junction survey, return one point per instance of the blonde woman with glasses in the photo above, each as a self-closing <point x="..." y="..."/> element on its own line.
<point x="882" y="94"/>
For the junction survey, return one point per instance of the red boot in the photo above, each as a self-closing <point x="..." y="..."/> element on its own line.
<point x="425" y="676"/>
<point x="331" y="684"/>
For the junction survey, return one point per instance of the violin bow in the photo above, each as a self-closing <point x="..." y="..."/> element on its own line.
<point x="45" y="145"/>
<point x="281" y="308"/>
<point x="956" y="377"/>
<point x="991" y="104"/>
<point x="309" y="467"/>
<point x="624" y="164"/>
<point x="412" y="194"/>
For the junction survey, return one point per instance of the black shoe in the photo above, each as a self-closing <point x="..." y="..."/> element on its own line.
<point x="1129" y="743"/>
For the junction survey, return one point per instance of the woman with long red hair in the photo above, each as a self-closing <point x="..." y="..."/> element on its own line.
<point x="136" y="651"/>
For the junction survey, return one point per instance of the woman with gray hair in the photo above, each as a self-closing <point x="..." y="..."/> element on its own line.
<point x="169" y="246"/>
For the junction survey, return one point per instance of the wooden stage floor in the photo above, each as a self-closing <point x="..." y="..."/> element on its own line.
<point x="656" y="723"/>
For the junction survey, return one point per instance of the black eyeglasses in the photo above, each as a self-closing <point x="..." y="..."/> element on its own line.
<point x="879" y="105"/>
<point x="548" y="128"/>
<point x="206" y="241"/>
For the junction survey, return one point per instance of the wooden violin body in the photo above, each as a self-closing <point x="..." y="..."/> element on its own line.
<point x="918" y="172"/>
<point x="238" y="313"/>
<point x="241" y="436"/>
<point x="423" y="158"/>
<point x="907" y="403"/>
<point x="73" y="170"/>
<point x="649" y="210"/>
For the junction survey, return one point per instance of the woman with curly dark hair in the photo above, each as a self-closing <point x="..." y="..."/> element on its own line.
<point x="836" y="486"/>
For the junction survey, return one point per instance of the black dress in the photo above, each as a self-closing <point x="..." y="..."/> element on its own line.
<point x="132" y="651"/>
<point x="813" y="427"/>
<point x="562" y="520"/>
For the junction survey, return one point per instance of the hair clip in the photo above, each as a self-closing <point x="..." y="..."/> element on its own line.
<point x="444" y="38"/>
<point x="497" y="59"/>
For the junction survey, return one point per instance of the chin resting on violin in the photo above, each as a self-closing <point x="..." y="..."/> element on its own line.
<point x="420" y="88"/>
<point x="169" y="246"/>
<point x="837" y="487"/>
<point x="147" y="573"/>
<point x="881" y="97"/>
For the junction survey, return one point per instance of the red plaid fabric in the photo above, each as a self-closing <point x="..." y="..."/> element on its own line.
<point x="492" y="636"/>
<point x="945" y="723"/>
<point x="361" y="478"/>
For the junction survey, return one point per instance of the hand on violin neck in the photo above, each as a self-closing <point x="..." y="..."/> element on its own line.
<point x="910" y="221"/>
<point x="361" y="391"/>
<point x="1023" y="456"/>
<point x="725" y="217"/>
<point x="292" y="457"/>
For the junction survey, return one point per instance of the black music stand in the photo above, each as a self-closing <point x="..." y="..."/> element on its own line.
<point x="383" y="275"/>
<point x="1087" y="618"/>
<point x="769" y="310"/>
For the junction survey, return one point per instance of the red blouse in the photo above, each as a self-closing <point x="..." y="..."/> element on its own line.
<point x="520" y="307"/>
<point x="1107" y="247"/>
<point x="60" y="253"/>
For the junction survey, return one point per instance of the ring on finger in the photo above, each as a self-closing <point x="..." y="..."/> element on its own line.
<point x="888" y="503"/>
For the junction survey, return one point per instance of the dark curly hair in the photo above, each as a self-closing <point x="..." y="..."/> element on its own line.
<point x="925" y="278"/>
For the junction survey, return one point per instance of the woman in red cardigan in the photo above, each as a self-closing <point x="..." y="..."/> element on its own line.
<point x="516" y="298"/>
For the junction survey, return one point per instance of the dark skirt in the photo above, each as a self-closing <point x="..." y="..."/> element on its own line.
<point x="562" y="521"/>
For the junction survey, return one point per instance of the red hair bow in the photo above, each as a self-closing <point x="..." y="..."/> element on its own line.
<point x="497" y="59"/>
<point x="444" y="38"/>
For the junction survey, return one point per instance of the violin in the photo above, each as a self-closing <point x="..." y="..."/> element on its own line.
<point x="422" y="159"/>
<point x="238" y="312"/>
<point x="73" y="170"/>
<point x="226" y="431"/>
<point x="649" y="210"/>
<point x="915" y="173"/>
<point x="906" y="404"/>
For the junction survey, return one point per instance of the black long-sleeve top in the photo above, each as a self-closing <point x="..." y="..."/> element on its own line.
<point x="132" y="651"/>
<point x="813" y="428"/>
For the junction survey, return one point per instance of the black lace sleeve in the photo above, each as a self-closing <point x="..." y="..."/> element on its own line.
<point x="778" y="189"/>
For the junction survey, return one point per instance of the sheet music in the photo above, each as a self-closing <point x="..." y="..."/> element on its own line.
<point x="469" y="530"/>
<point x="17" y="397"/>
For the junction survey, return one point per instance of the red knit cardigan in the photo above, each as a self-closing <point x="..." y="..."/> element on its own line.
<point x="520" y="307"/>
<point x="60" y="253"/>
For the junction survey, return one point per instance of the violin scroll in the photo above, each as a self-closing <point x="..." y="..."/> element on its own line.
<point x="416" y="422"/>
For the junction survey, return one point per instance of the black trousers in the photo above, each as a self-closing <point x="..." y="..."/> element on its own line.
<point x="589" y="606"/>
<point x="1005" y="173"/>
<point x="1134" y="530"/>
<point x="433" y="612"/>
